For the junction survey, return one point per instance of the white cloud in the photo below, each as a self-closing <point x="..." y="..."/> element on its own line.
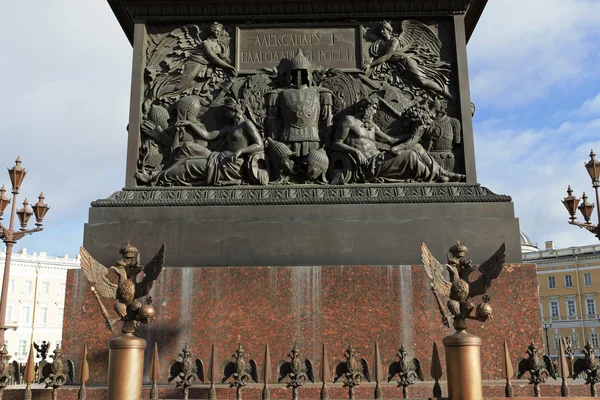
<point x="589" y="108"/>
<point x="66" y="79"/>
<point x="535" y="167"/>
<point x="65" y="103"/>
<point x="523" y="49"/>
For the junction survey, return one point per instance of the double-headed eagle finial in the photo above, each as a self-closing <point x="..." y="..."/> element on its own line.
<point x="459" y="289"/>
<point x="128" y="289"/>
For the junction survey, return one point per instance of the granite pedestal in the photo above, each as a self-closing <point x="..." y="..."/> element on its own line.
<point x="335" y="305"/>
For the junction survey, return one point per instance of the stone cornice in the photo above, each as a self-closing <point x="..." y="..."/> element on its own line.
<point x="153" y="11"/>
<point x="301" y="194"/>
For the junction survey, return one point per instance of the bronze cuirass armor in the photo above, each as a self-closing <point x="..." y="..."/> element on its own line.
<point x="300" y="115"/>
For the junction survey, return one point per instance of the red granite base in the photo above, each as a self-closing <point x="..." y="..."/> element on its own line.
<point x="309" y="306"/>
<point x="491" y="391"/>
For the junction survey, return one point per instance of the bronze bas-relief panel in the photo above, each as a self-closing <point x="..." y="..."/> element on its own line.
<point x="324" y="46"/>
<point x="300" y="103"/>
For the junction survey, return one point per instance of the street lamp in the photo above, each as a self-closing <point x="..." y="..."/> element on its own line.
<point x="546" y="326"/>
<point x="586" y="208"/>
<point x="9" y="235"/>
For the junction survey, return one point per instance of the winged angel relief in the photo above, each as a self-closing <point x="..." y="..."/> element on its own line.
<point x="413" y="56"/>
<point x="460" y="289"/>
<point x="183" y="63"/>
<point x="128" y="288"/>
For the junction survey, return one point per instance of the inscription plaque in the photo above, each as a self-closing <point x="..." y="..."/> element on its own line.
<point x="325" y="47"/>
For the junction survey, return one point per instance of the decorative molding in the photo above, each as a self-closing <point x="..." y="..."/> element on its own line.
<point x="297" y="195"/>
<point x="152" y="11"/>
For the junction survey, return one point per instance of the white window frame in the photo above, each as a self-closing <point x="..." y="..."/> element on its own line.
<point x="587" y="279"/>
<point x="594" y="340"/>
<point x="551" y="282"/>
<point x="9" y="311"/>
<point x="22" y="348"/>
<point x="39" y="314"/>
<point x="63" y="289"/>
<point x="22" y="319"/>
<point x="574" y="340"/>
<point x="46" y="287"/>
<point x="570" y="301"/>
<point x="11" y="285"/>
<point x="551" y="303"/>
<point x="568" y="281"/>
<point x="591" y="301"/>
<point x="60" y="314"/>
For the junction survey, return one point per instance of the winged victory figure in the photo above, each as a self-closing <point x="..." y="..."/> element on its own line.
<point x="407" y="370"/>
<point x="459" y="288"/>
<point x="296" y="370"/>
<point x="129" y="287"/>
<point x="185" y="371"/>
<point x="413" y="55"/>
<point x="539" y="368"/>
<point x="183" y="63"/>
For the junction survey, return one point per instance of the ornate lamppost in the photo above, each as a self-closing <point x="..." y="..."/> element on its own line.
<point x="9" y="235"/>
<point x="586" y="208"/>
<point x="546" y="326"/>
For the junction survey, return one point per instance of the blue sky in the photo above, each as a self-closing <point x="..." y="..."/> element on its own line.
<point x="534" y="78"/>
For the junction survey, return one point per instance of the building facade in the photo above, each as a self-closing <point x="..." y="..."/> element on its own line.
<point x="36" y="298"/>
<point x="568" y="281"/>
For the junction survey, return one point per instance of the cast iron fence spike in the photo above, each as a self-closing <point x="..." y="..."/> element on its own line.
<point x="377" y="373"/>
<point x="266" y="393"/>
<point x="507" y="371"/>
<point x="84" y="374"/>
<point x="154" y="373"/>
<point x="436" y="371"/>
<point x="325" y="373"/>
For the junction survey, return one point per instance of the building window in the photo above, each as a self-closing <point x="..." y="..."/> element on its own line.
<point x="551" y="282"/>
<point x="594" y="339"/>
<point x="568" y="281"/>
<point x="9" y="312"/>
<point x="25" y="312"/>
<point x="574" y="341"/>
<point x="63" y="287"/>
<point x="27" y="286"/>
<point x="591" y="306"/>
<point x="11" y="285"/>
<point x="556" y="339"/>
<point x="43" y="317"/>
<point x="22" y="348"/>
<point x="554" y="313"/>
<point x="587" y="279"/>
<point x="60" y="315"/>
<point x="45" y="287"/>
<point x="571" y="311"/>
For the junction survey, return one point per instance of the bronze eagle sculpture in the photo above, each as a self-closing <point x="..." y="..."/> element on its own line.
<point x="588" y="368"/>
<point x="407" y="370"/>
<point x="539" y="368"/>
<point x="8" y="370"/>
<point x="353" y="370"/>
<point x="128" y="289"/>
<point x="59" y="371"/>
<point x="240" y="370"/>
<point x="459" y="289"/>
<point x="296" y="370"/>
<point x="185" y="370"/>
